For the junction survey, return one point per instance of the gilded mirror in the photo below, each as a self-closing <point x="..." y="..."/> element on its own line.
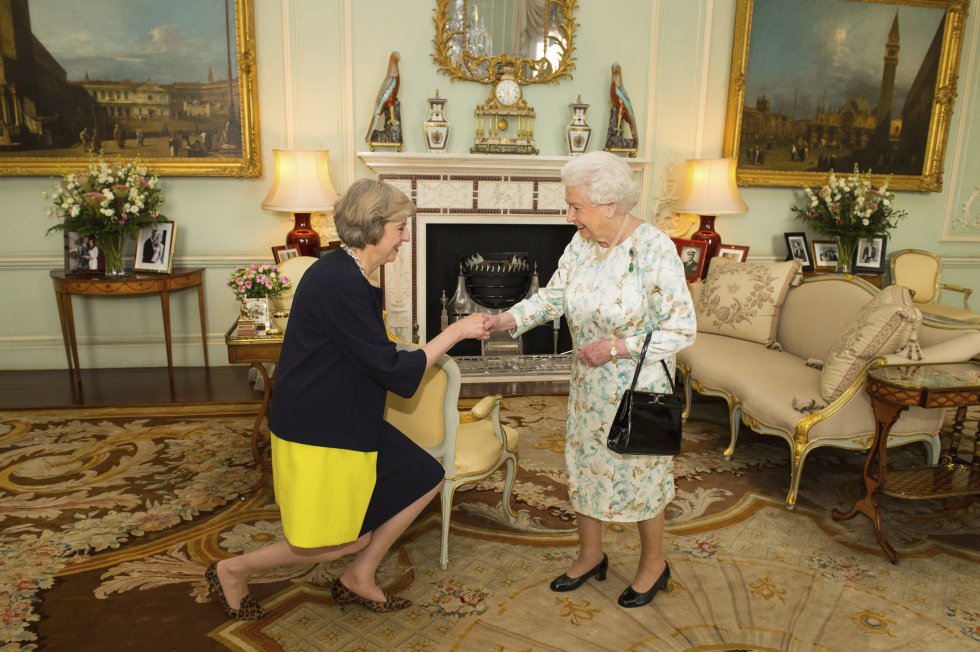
<point x="474" y="37"/>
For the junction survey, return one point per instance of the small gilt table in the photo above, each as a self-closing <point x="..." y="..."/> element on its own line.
<point x="893" y="389"/>
<point x="66" y="285"/>
<point x="256" y="351"/>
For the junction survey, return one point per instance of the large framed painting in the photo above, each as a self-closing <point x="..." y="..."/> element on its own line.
<point x="819" y="85"/>
<point x="172" y="82"/>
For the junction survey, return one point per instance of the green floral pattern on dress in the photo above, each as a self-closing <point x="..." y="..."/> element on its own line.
<point x="602" y="299"/>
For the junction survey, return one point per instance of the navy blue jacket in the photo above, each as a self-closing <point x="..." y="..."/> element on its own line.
<point x="337" y="363"/>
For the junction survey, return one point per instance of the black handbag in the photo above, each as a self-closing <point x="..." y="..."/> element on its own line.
<point x="647" y="423"/>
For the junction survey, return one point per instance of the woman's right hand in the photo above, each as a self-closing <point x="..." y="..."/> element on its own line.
<point x="474" y="326"/>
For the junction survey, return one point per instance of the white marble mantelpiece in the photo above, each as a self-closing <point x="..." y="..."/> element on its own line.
<point x="464" y="189"/>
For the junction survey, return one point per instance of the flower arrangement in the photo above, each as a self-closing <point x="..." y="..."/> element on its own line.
<point x="109" y="198"/>
<point x="257" y="281"/>
<point x="850" y="208"/>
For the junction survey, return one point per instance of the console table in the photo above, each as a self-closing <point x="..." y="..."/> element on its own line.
<point x="67" y="285"/>
<point x="256" y="351"/>
<point x="894" y="388"/>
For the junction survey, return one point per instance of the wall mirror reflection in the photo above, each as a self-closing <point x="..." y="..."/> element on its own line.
<point x="474" y="36"/>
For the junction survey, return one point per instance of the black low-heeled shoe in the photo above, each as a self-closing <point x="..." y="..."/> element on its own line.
<point x="565" y="583"/>
<point x="631" y="598"/>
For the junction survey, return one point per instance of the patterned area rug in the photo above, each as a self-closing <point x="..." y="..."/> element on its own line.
<point x="109" y="517"/>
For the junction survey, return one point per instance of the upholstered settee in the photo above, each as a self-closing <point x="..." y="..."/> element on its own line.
<point x="768" y="382"/>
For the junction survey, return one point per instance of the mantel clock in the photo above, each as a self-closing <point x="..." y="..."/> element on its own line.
<point x="505" y="122"/>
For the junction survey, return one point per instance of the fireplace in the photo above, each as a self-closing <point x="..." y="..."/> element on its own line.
<point x="447" y="243"/>
<point x="467" y="204"/>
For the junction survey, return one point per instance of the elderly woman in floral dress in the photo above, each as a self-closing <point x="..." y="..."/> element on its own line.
<point x="618" y="280"/>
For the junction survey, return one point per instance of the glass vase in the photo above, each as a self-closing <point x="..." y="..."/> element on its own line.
<point x="111" y="247"/>
<point x="845" y="254"/>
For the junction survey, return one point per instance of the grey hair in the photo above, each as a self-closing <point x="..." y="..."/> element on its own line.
<point x="361" y="214"/>
<point x="605" y="177"/>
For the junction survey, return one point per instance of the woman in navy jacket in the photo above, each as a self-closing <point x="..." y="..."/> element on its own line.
<point x="346" y="481"/>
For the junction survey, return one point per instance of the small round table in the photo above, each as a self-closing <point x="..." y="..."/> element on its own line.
<point x="66" y="285"/>
<point x="893" y="389"/>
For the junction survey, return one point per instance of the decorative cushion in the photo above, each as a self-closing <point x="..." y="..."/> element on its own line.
<point x="883" y="326"/>
<point x="742" y="300"/>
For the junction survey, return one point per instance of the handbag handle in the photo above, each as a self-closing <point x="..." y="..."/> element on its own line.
<point x="639" y="363"/>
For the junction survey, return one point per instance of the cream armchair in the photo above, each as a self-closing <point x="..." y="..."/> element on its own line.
<point x="470" y="445"/>
<point x="921" y="271"/>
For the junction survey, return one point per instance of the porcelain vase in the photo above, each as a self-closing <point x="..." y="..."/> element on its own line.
<point x="436" y="128"/>
<point x="578" y="132"/>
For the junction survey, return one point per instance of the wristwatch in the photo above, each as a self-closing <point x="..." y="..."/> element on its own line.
<point x="612" y="351"/>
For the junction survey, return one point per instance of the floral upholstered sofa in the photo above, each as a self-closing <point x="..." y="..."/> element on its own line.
<point x="790" y="357"/>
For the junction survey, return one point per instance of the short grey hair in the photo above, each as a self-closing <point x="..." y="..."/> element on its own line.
<point x="361" y="214"/>
<point x="605" y="177"/>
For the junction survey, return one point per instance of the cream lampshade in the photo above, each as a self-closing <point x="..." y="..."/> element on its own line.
<point x="301" y="186"/>
<point x="709" y="191"/>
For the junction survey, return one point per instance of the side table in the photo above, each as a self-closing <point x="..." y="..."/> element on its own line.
<point x="256" y="351"/>
<point x="894" y="388"/>
<point x="66" y="285"/>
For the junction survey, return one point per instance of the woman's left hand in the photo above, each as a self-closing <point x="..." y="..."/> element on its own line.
<point x="595" y="354"/>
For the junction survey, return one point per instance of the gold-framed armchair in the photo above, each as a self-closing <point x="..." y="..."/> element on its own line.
<point x="921" y="271"/>
<point x="470" y="445"/>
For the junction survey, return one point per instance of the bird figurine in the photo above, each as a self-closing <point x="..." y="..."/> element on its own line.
<point x="384" y="104"/>
<point x="621" y="105"/>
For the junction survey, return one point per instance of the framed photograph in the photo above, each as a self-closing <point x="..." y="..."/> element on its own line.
<point x="869" y="257"/>
<point x="82" y="255"/>
<point x="825" y="254"/>
<point x="155" y="248"/>
<point x="817" y="85"/>
<point x="282" y="253"/>
<point x="179" y="89"/>
<point x="798" y="247"/>
<point x="691" y="253"/>
<point x="738" y="253"/>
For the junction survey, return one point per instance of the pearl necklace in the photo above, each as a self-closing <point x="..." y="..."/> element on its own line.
<point x="601" y="253"/>
<point x="350" y="252"/>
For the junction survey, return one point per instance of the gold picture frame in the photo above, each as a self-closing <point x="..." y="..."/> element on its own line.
<point x="74" y="102"/>
<point x="809" y="97"/>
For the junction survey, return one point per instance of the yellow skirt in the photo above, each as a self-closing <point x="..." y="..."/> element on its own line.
<point x="323" y="493"/>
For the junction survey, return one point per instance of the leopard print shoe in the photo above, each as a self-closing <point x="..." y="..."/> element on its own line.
<point x="248" y="608"/>
<point x="344" y="596"/>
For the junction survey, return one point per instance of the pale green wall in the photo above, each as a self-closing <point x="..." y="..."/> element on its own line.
<point x="675" y="56"/>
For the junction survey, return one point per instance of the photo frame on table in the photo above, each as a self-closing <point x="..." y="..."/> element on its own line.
<point x="798" y="247"/>
<point x="282" y="253"/>
<point x="155" y="248"/>
<point x="692" y="255"/>
<point x="869" y="255"/>
<point x="796" y="104"/>
<point x="825" y="254"/>
<point x="82" y="256"/>
<point x="180" y="91"/>
<point x="738" y="253"/>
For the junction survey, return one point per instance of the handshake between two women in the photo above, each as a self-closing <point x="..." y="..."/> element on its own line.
<point x="480" y="325"/>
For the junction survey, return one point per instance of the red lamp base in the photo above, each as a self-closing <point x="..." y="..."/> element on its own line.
<point x="706" y="232"/>
<point x="303" y="237"/>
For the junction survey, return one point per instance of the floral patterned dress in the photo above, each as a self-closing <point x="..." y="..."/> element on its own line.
<point x="639" y="287"/>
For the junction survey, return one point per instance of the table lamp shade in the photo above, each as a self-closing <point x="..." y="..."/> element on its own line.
<point x="710" y="190"/>
<point x="301" y="186"/>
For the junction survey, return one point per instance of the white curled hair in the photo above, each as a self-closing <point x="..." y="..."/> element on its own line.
<point x="605" y="177"/>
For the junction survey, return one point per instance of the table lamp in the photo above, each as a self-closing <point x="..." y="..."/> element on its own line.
<point x="709" y="191"/>
<point x="301" y="186"/>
